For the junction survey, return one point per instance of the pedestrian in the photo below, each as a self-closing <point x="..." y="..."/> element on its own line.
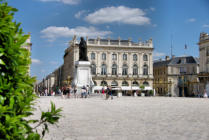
<point x="68" y="91"/>
<point x="108" y="93"/>
<point x="87" y="90"/>
<point x="111" y="94"/>
<point x="46" y="92"/>
<point x="83" y="91"/>
<point x="103" y="93"/>
<point x="62" y="93"/>
<point x="75" y="92"/>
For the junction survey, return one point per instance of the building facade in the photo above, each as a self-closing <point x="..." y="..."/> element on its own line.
<point x="204" y="62"/>
<point x="121" y="64"/>
<point x="177" y="76"/>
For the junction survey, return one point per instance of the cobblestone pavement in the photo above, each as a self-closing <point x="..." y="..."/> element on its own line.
<point x="129" y="118"/>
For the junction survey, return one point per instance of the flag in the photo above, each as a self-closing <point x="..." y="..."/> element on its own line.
<point x="185" y="47"/>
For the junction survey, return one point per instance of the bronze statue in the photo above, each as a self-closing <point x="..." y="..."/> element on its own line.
<point x="83" y="50"/>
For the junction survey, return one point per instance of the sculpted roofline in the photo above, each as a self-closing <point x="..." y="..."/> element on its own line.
<point x="114" y="42"/>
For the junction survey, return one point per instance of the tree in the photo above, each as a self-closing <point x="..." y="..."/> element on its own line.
<point x="16" y="86"/>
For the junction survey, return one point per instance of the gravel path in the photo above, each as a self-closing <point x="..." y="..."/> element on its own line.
<point x="129" y="118"/>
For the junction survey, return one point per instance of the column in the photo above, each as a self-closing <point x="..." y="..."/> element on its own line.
<point x="119" y="60"/>
<point x="130" y="64"/>
<point x="150" y="65"/>
<point x="140" y="57"/>
<point x="98" y="65"/>
<point x="109" y="65"/>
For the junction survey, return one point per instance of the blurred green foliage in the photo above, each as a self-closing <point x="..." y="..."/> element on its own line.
<point x="16" y="86"/>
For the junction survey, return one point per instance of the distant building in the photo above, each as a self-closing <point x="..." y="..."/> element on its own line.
<point x="204" y="61"/>
<point x="177" y="76"/>
<point x="122" y="64"/>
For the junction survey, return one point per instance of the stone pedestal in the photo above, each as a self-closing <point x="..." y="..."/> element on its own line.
<point x="82" y="75"/>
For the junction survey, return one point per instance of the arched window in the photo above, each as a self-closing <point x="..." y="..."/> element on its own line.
<point x="145" y="57"/>
<point x="135" y="83"/>
<point x="103" y="56"/>
<point x="92" y="56"/>
<point x="124" y="56"/>
<point x="114" y="69"/>
<point x="135" y="70"/>
<point x="134" y="57"/>
<point x="124" y="83"/>
<point x="125" y="70"/>
<point x="95" y="83"/>
<point x="104" y="69"/>
<point x="114" y="56"/>
<point x="103" y="83"/>
<point x="145" y="83"/>
<point x="145" y="70"/>
<point x="93" y="69"/>
<point x="114" y="83"/>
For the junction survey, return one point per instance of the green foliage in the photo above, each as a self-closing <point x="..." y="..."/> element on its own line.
<point x="151" y="92"/>
<point x="142" y="87"/>
<point x="16" y="86"/>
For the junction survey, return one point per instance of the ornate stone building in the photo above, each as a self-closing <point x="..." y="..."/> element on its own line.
<point x="177" y="76"/>
<point x="122" y="64"/>
<point x="204" y="62"/>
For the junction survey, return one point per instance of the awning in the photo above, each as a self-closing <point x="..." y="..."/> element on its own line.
<point x="135" y="88"/>
<point x="116" y="88"/>
<point x="98" y="87"/>
<point x="148" y="88"/>
<point x="126" y="88"/>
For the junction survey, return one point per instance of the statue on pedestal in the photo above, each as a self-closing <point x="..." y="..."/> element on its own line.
<point x="83" y="50"/>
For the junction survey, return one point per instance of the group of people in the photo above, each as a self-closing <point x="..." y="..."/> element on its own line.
<point x="107" y="93"/>
<point x="70" y="91"/>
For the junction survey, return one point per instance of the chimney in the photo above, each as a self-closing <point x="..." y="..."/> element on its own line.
<point x="167" y="58"/>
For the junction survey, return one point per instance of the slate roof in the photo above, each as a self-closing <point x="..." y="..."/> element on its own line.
<point x="177" y="61"/>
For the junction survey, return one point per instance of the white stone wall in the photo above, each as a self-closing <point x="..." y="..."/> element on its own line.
<point x="98" y="48"/>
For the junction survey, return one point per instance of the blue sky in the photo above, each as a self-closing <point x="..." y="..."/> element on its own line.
<point x="53" y="23"/>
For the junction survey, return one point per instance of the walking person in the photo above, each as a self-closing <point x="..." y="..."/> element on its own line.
<point x="83" y="91"/>
<point x="46" y="92"/>
<point x="87" y="90"/>
<point x="103" y="93"/>
<point x="68" y="91"/>
<point x="75" y="92"/>
<point x="108" y="93"/>
<point x="62" y="92"/>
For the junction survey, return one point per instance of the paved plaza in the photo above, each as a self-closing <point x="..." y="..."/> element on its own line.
<point x="129" y="118"/>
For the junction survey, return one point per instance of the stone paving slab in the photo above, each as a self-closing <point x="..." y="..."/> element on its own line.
<point x="129" y="118"/>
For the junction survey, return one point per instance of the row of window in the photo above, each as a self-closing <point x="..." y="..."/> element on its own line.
<point x="114" y="69"/>
<point x="114" y="57"/>
<point x="124" y="83"/>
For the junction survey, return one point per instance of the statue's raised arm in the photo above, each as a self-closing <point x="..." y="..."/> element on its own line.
<point x="83" y="50"/>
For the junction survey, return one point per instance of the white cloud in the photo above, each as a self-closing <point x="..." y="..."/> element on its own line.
<point x="53" y="32"/>
<point x="79" y="14"/>
<point x="70" y="2"/>
<point x="152" y="9"/>
<point x="158" y="54"/>
<point x="43" y="70"/>
<point x="53" y="62"/>
<point x="191" y="20"/>
<point x="205" y="26"/>
<point x="36" y="61"/>
<point x="154" y="25"/>
<point x="119" y="14"/>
